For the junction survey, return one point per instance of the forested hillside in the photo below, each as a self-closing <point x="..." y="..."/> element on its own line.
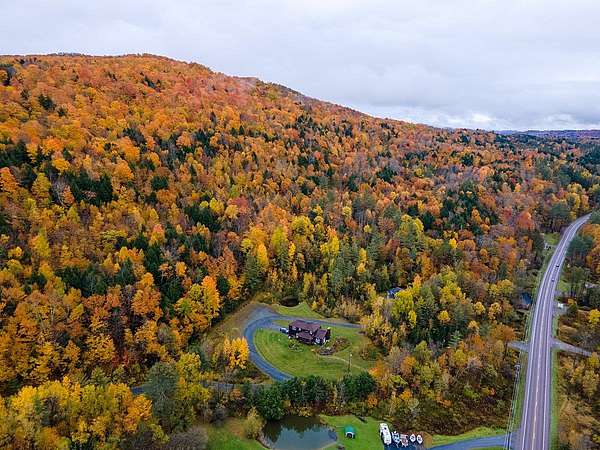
<point x="143" y="199"/>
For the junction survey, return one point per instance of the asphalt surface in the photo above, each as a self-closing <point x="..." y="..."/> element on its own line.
<point x="264" y="317"/>
<point x="571" y="348"/>
<point x="534" y="432"/>
<point x="492" y="441"/>
<point x="399" y="447"/>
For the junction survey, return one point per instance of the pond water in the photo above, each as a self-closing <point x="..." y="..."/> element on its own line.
<point x="298" y="433"/>
<point x="290" y="300"/>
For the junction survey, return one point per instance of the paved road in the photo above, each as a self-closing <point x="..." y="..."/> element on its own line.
<point x="535" y="420"/>
<point x="399" y="447"/>
<point x="563" y="346"/>
<point x="571" y="348"/>
<point x="491" y="441"/>
<point x="264" y="317"/>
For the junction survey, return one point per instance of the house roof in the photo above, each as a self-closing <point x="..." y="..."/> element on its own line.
<point x="526" y="298"/>
<point x="305" y="335"/>
<point x="321" y="333"/>
<point x="307" y="326"/>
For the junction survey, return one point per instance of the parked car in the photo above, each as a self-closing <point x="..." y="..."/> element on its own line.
<point x="284" y="330"/>
<point x="385" y="434"/>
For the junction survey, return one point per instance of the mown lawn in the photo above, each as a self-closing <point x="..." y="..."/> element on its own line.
<point x="475" y="433"/>
<point x="230" y="436"/>
<point x="300" y="310"/>
<point x="297" y="359"/>
<point x="551" y="238"/>
<point x="367" y="433"/>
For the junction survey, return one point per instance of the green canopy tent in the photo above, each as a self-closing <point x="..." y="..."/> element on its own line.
<point x="349" y="432"/>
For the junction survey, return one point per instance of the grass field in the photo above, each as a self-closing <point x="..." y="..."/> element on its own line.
<point x="473" y="434"/>
<point x="552" y="238"/>
<point x="555" y="402"/>
<point x="230" y="436"/>
<point x="367" y="433"/>
<point x="233" y="325"/>
<point x="300" y="310"/>
<point x="520" y="391"/>
<point x="300" y="359"/>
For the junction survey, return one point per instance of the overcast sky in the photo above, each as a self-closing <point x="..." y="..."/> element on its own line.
<point x="494" y="64"/>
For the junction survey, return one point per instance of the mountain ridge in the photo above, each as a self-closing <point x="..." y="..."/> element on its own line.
<point x="557" y="134"/>
<point x="143" y="200"/>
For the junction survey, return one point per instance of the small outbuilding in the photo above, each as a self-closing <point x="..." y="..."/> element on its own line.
<point x="349" y="432"/>
<point x="391" y="294"/>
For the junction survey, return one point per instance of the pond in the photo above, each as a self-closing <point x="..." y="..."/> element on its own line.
<point x="298" y="433"/>
<point x="290" y="300"/>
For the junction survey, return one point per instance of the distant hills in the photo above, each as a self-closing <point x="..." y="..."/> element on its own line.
<point x="572" y="135"/>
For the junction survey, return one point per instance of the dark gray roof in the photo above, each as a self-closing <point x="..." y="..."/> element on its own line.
<point x="305" y="335"/>
<point x="304" y="325"/>
<point x="321" y="333"/>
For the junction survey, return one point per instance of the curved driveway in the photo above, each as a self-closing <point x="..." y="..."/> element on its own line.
<point x="265" y="318"/>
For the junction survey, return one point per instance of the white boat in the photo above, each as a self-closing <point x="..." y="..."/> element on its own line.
<point x="396" y="437"/>
<point x="419" y="439"/>
<point x="413" y="438"/>
<point x="404" y="440"/>
<point x="385" y="434"/>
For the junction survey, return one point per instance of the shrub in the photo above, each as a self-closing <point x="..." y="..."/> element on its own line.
<point x="368" y="352"/>
<point x="220" y="413"/>
<point x="349" y="310"/>
<point x="595" y="217"/>
<point x="337" y="344"/>
<point x="254" y="424"/>
<point x="195" y="438"/>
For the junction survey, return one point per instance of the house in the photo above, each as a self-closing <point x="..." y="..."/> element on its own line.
<point x="526" y="300"/>
<point x="298" y="326"/>
<point x="305" y="337"/>
<point x="308" y="332"/>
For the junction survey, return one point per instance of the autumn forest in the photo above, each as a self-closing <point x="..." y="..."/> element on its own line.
<point x="143" y="201"/>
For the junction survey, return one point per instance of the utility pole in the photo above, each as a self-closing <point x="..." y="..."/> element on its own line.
<point x="349" y="356"/>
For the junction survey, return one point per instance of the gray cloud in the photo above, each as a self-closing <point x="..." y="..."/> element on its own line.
<point x="474" y="63"/>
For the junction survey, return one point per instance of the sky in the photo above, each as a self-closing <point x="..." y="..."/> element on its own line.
<point x="491" y="64"/>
